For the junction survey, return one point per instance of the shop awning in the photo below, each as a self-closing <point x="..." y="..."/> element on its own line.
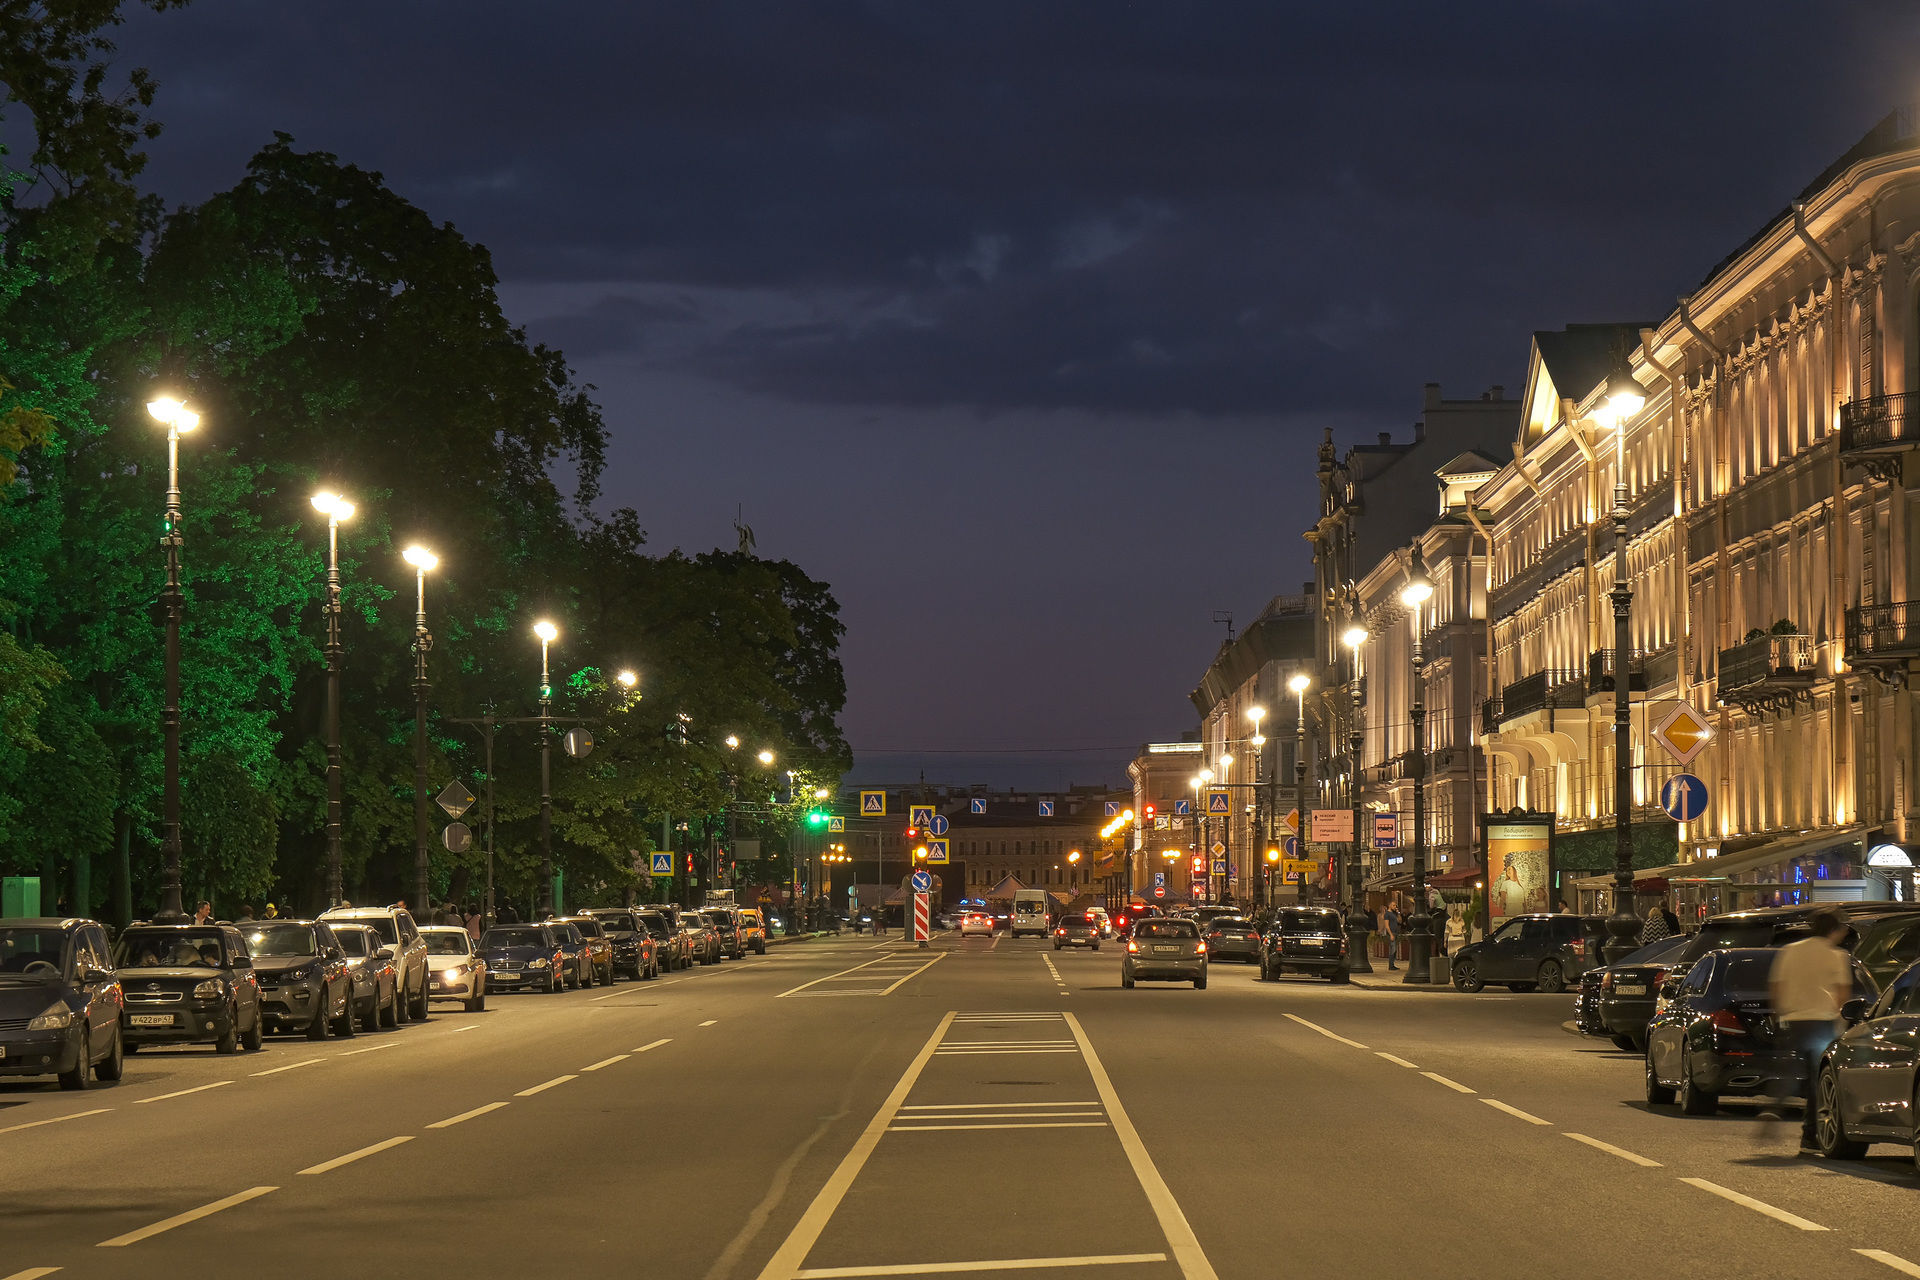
<point x="1784" y="849"/>
<point x="1455" y="879"/>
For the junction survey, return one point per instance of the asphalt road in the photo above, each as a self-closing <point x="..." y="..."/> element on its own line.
<point x="856" y="1107"/>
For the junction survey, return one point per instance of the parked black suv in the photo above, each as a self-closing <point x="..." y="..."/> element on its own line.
<point x="1306" y="940"/>
<point x="633" y="947"/>
<point x="59" y="1002"/>
<point x="187" y="984"/>
<point x="1526" y="953"/>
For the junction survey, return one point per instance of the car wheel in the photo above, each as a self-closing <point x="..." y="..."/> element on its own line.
<point x="228" y="1041"/>
<point x="1200" y="983"/>
<point x="320" y="1028"/>
<point x="113" y="1066"/>
<point x="1552" y="979"/>
<point x="390" y="1016"/>
<point x="370" y="1022"/>
<point x="419" y="1009"/>
<point x="81" y="1077"/>
<point x="1126" y="981"/>
<point x="1466" y="977"/>
<point x="402" y="1013"/>
<point x="1694" y="1100"/>
<point x="1829" y="1130"/>
<point x="343" y="1025"/>
<point x="1658" y="1095"/>
<point x="1096" y="946"/>
<point x="478" y="1004"/>
<point x="1624" y="1044"/>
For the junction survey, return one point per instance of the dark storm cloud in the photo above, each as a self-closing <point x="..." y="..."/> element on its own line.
<point x="1209" y="206"/>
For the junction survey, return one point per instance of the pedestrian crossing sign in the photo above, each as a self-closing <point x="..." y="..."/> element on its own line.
<point x="937" y="852"/>
<point x="919" y="815"/>
<point x="1217" y="802"/>
<point x="662" y="863"/>
<point x="979" y="806"/>
<point x="873" y="804"/>
<point x="1046" y="808"/>
<point x="836" y="824"/>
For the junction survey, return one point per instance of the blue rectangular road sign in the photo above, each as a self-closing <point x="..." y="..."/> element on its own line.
<point x="979" y="806"/>
<point x="1046" y="808"/>
<point x="1183" y="806"/>
<point x="662" y="864"/>
<point x="1113" y="808"/>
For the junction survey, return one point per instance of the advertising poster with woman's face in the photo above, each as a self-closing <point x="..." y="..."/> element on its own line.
<point x="1517" y="870"/>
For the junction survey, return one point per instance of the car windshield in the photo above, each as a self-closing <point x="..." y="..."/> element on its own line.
<point x="166" y="949"/>
<point x="1025" y="908"/>
<point x="281" y="940"/>
<point x="382" y="925"/>
<point x="450" y="943"/>
<point x="1297" y="921"/>
<point x="513" y="938"/>
<point x="27" y="953"/>
<point x="587" y="929"/>
<point x="1166" y="929"/>
<point x="352" y="941"/>
<point x="620" y="921"/>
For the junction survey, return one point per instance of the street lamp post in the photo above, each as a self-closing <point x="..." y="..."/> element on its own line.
<point x="422" y="560"/>
<point x="1624" y="399"/>
<point x="1414" y="596"/>
<point x="1297" y="684"/>
<point x="1355" y="635"/>
<point x="336" y="509"/>
<point x="1226" y="836"/>
<point x="547" y="633"/>
<point x="1262" y="806"/>
<point x="179" y="420"/>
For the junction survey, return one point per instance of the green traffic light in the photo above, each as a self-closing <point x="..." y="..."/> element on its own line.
<point x="815" y="818"/>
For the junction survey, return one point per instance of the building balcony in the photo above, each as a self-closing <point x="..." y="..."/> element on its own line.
<point x="1539" y="691"/>
<point x="1877" y="425"/>
<point x="1600" y="673"/>
<point x="1883" y="634"/>
<point x="1767" y="672"/>
<point x="1490" y="715"/>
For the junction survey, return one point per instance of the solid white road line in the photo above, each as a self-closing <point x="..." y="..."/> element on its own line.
<point x="31" y="1273"/>
<point x="829" y="978"/>
<point x="451" y="1121"/>
<point x="786" y="1260"/>
<point x="991" y="1106"/>
<point x="35" y="1124"/>
<point x="291" y="1066"/>
<point x="1758" y="1206"/>
<point x="1048" y="1124"/>
<point x="1454" y="1085"/>
<point x="182" y="1219"/>
<point x="1881" y="1256"/>
<point x="471" y="1026"/>
<point x="993" y="1264"/>
<point x="162" y="1097"/>
<point x="1398" y="1062"/>
<point x="973" y="1053"/>
<point x="542" y="1088"/>
<point x="353" y="1053"/>
<point x="327" y="1166"/>
<point x="1187" y="1253"/>
<point x="1313" y="1026"/>
<point x="610" y="995"/>
<point x="1612" y="1150"/>
<point x="655" y="1045"/>
<point x="709" y="1022"/>
<point x="1515" y="1112"/>
<point x="1000" y="1115"/>
<point x="607" y="1062"/>
<point x="916" y="973"/>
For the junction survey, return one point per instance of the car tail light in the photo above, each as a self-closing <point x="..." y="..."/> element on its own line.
<point x="1133" y="946"/>
<point x="1203" y="948"/>
<point x="1253" y="937"/>
<point x="1727" y="1022"/>
<point x="1061" y="932"/>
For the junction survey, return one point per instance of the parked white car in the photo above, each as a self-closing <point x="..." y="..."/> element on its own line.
<point x="454" y="972"/>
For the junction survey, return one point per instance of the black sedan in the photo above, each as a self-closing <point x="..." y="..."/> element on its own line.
<point x="523" y="957"/>
<point x="60" y="1002"/>
<point x="1715" y="1035"/>
<point x="1232" y="938"/>
<point x="1305" y="940"/>
<point x="1076" y="931"/>
<point x="1866" y="1089"/>
<point x="188" y="984"/>
<point x="1625" y="993"/>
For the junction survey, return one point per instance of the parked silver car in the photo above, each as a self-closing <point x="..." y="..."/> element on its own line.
<point x="376" y="984"/>
<point x="400" y="935"/>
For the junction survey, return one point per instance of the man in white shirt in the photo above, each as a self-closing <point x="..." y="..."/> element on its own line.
<point x="1809" y="981"/>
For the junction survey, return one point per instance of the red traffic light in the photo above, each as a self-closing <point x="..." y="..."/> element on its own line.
<point x="1149" y="811"/>
<point x="912" y="832"/>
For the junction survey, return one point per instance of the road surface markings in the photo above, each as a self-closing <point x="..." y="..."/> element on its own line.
<point x="1398" y="1062"/>
<point x="1881" y="1256"/>
<point x="35" y="1124"/>
<point x="1610" y="1149"/>
<point x="1515" y="1112"/>
<point x="31" y="1273"/>
<point x="786" y="1260"/>
<point x="829" y="978"/>
<point x="1009" y="1017"/>
<point x="607" y="1062"/>
<point x="1021" y="1124"/>
<point x="328" y="1166"/>
<point x="181" y="1093"/>
<point x="351" y="1053"/>
<point x="709" y="1022"/>
<point x="974" y="1053"/>
<point x="989" y="1106"/>
<point x="993" y="1264"/>
<point x="655" y="1045"/>
<point x="610" y="995"/>
<point x="471" y="1026"/>
<point x="542" y="1088"/>
<point x="1454" y="1085"/>
<point x="451" y="1121"/>
<point x="999" y="1115"/>
<point x="1055" y="972"/>
<point x="995" y="1044"/>
<point x="182" y="1219"/>
<point x="291" y="1066"/>
<point x="1758" y="1206"/>
<point x="1314" y="1026"/>
<point x="1187" y="1253"/>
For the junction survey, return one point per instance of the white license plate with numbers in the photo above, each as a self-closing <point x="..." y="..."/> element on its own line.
<point x="151" y="1019"/>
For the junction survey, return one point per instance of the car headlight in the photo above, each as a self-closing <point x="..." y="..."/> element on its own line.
<point x="208" y="990"/>
<point x="56" y="1018"/>
<point x="449" y="975"/>
<point x="537" y="964"/>
<point x="300" y="974"/>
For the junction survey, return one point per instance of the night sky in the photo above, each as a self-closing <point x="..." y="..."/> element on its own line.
<point x="1018" y="323"/>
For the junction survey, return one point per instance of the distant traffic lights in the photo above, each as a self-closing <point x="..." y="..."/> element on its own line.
<point x="816" y="818"/>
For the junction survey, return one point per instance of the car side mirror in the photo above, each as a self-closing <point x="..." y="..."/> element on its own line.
<point x="1669" y="988"/>
<point x="1854" y="1010"/>
<point x="384" y="953"/>
<point x="335" y="953"/>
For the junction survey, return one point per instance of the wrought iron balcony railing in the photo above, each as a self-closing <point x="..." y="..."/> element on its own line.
<point x="1877" y="424"/>
<point x="1600" y="668"/>
<point x="1883" y="631"/>
<point x="1767" y="662"/>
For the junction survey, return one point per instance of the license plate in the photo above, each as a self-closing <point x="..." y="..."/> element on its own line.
<point x="1626" y="989"/>
<point x="150" y="1020"/>
<point x="434" y="985"/>
<point x="503" y="977"/>
<point x="1166" y="951"/>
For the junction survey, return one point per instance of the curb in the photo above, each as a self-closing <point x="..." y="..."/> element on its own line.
<point x="1373" y="983"/>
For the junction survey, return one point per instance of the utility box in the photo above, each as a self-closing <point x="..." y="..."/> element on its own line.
<point x="19" y="897"/>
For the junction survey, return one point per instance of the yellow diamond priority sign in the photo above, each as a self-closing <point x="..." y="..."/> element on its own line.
<point x="1684" y="733"/>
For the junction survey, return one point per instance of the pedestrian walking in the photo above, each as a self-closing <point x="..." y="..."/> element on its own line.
<point x="1390" y="925"/>
<point x="1655" y="927"/>
<point x="1808" y="983"/>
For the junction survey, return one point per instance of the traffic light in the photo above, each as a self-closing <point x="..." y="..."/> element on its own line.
<point x="1149" y="813"/>
<point x="815" y="818"/>
<point x="912" y="832"/>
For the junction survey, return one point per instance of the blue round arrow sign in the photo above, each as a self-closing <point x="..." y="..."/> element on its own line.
<point x="1684" y="797"/>
<point x="939" y="824"/>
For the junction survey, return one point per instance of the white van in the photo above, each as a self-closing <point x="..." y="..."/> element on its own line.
<point x="1029" y="912"/>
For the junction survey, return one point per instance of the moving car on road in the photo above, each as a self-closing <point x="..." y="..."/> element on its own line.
<point x="375" y="984"/>
<point x="305" y="984"/>
<point x="521" y="957"/>
<point x="1170" y="950"/>
<point x="1716" y="1036"/>
<point x="633" y="947"/>
<point x="1306" y="940"/>
<point x="1102" y="923"/>
<point x="399" y="933"/>
<point x="187" y="984"/>
<point x="456" y="972"/>
<point x="1076" y="931"/>
<point x="976" y="924"/>
<point x="1232" y="938"/>
<point x="1029" y="912"/>
<point x="60" y="1002"/>
<point x="1526" y="953"/>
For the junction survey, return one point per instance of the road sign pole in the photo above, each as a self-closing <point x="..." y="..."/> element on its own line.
<point x="1623" y="924"/>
